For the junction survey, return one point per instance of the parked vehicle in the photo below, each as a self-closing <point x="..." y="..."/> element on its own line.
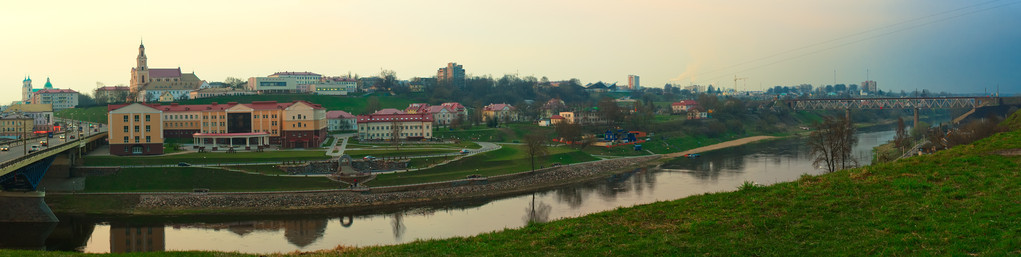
<point x="183" y="164"/>
<point x="44" y="143"/>
<point x="4" y="149"/>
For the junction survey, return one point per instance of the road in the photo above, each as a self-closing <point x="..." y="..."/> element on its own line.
<point x="17" y="148"/>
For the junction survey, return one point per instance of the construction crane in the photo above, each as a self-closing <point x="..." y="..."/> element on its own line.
<point x="735" y="83"/>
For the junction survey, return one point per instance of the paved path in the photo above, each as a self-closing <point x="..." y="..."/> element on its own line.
<point x="730" y="143"/>
<point x="343" y="145"/>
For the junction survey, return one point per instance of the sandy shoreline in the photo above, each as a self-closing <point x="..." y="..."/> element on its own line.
<point x="731" y="143"/>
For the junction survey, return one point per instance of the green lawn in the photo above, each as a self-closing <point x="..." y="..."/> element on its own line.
<point x="509" y="159"/>
<point x="505" y="133"/>
<point x="389" y="152"/>
<point x="184" y="179"/>
<point x="264" y="169"/>
<point x="207" y="158"/>
<point x="93" y="114"/>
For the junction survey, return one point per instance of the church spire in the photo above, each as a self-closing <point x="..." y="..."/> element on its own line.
<point x="141" y="62"/>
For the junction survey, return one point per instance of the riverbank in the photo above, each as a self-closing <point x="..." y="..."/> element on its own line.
<point x="376" y="199"/>
<point x="333" y="201"/>
<point x="962" y="201"/>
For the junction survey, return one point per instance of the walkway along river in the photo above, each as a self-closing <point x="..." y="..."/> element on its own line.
<point x="722" y="170"/>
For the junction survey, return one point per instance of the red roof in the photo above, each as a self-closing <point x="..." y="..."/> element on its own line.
<point x="339" y="115"/>
<point x="230" y="134"/>
<point x="685" y="102"/>
<point x="457" y="107"/>
<point x="497" y="107"/>
<point x="388" y="111"/>
<point x="304" y="73"/>
<point x="556" y="117"/>
<point x="165" y="73"/>
<point x="43" y="91"/>
<point x="113" y="88"/>
<point x="391" y="117"/>
<point x="417" y="107"/>
<point x="257" y="105"/>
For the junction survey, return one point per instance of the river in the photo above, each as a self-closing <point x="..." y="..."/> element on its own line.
<point x="723" y="170"/>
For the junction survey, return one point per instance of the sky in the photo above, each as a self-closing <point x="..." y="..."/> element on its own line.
<point x="940" y="45"/>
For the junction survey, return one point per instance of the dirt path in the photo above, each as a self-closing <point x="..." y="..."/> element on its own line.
<point x="730" y="143"/>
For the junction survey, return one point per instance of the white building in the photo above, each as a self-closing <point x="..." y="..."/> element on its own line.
<point x="303" y="78"/>
<point x="382" y="126"/>
<point x="273" y="84"/>
<point x="341" y="120"/>
<point x="222" y="91"/>
<point x="336" y="86"/>
<point x="59" y="98"/>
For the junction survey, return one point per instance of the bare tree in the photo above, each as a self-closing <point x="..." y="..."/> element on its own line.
<point x="901" y="140"/>
<point x="372" y="105"/>
<point x="568" y="131"/>
<point x="395" y="133"/>
<point x="536" y="144"/>
<point x="832" y="142"/>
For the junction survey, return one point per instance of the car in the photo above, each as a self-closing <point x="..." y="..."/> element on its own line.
<point x="33" y="149"/>
<point x="368" y="158"/>
<point x="44" y="143"/>
<point x="464" y="151"/>
<point x="693" y="156"/>
<point x="183" y="164"/>
<point x="4" y="149"/>
<point x="61" y="136"/>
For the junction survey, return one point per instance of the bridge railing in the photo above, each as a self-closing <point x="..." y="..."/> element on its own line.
<point x="45" y="152"/>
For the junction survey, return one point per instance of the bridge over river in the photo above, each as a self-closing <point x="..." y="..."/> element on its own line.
<point x="21" y="171"/>
<point x="915" y="103"/>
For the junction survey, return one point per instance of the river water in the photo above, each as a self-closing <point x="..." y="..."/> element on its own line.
<point x="723" y="170"/>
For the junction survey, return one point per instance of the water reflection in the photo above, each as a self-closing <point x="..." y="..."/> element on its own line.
<point x="537" y="212"/>
<point x="765" y="163"/>
<point x="126" y="238"/>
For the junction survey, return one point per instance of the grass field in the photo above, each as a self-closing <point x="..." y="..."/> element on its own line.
<point x="93" y="114"/>
<point x="206" y="158"/>
<point x="506" y="160"/>
<point x="184" y="179"/>
<point x="263" y="169"/>
<point x="392" y="153"/>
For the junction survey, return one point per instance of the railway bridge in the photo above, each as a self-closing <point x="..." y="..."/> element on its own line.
<point x="915" y="103"/>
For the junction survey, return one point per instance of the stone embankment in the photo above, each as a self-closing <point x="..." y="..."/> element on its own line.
<point x="389" y="196"/>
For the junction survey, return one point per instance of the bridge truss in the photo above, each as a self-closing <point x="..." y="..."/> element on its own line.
<point x="891" y="103"/>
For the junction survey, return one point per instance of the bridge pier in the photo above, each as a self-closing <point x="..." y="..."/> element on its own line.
<point x="847" y="114"/>
<point x="915" y="125"/>
<point x="25" y="207"/>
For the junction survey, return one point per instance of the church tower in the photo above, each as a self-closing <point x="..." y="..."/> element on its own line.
<point x="140" y="72"/>
<point x="26" y="90"/>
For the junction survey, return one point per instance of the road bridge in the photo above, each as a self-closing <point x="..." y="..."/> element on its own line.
<point x="22" y="171"/>
<point x="915" y="103"/>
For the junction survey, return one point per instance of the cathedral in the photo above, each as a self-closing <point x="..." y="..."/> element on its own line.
<point x="148" y="85"/>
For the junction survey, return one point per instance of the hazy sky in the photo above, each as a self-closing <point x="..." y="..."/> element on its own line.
<point x="955" y="46"/>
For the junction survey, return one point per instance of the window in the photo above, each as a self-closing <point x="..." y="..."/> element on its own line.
<point x="147" y="139"/>
<point x="146" y="117"/>
<point x="136" y="128"/>
<point x="136" y="139"/>
<point x="136" y="117"/>
<point x="125" y="128"/>
<point x="125" y="141"/>
<point x="125" y="118"/>
<point x="147" y="128"/>
<point x="274" y="123"/>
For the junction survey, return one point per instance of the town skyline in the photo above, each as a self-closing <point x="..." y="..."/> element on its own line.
<point x="902" y="46"/>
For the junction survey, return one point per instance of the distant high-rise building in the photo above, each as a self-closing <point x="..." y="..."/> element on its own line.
<point x="868" y="86"/>
<point x="453" y="74"/>
<point x="632" y="82"/>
